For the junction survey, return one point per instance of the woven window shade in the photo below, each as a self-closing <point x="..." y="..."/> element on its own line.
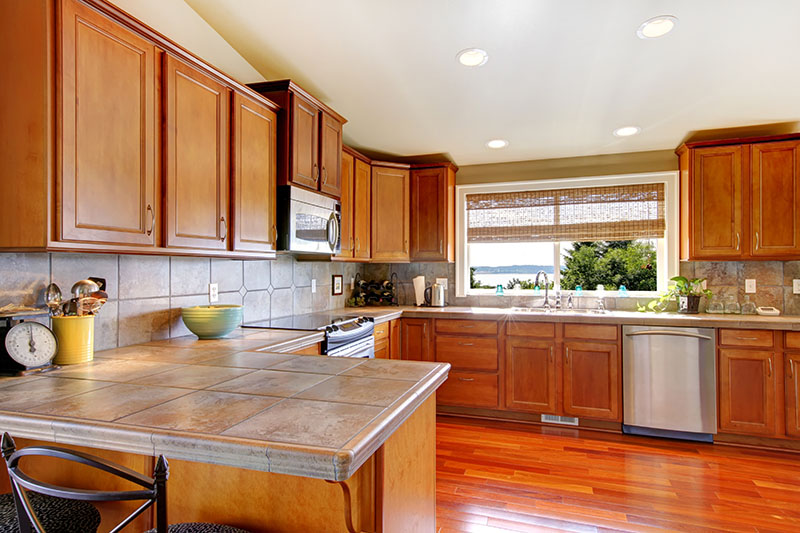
<point x="618" y="213"/>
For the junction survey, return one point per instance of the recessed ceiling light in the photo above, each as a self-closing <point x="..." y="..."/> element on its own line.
<point x="472" y="57"/>
<point x="497" y="143"/>
<point x="656" y="27"/>
<point x="627" y="131"/>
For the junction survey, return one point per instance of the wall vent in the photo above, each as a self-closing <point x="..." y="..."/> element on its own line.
<point x="565" y="420"/>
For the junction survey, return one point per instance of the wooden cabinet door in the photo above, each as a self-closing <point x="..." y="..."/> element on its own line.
<point x="253" y="175"/>
<point x="197" y="146"/>
<point x="362" y="210"/>
<point x="747" y="388"/>
<point x="531" y="375"/>
<point x="415" y="343"/>
<point x="330" y="147"/>
<point x="775" y="200"/>
<point x="717" y="214"/>
<point x="592" y="380"/>
<point x="109" y="122"/>
<point x="792" y="394"/>
<point x="395" y="348"/>
<point x="390" y="214"/>
<point x="305" y="145"/>
<point x="348" y="207"/>
<point x="429" y="214"/>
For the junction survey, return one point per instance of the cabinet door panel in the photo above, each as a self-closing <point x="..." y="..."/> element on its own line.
<point x="197" y="158"/>
<point x="390" y="214"/>
<point x="362" y="214"/>
<point x="330" y="156"/>
<point x="468" y="353"/>
<point x="415" y="343"/>
<point x="469" y="389"/>
<point x="305" y="150"/>
<point x="775" y="181"/>
<point x="718" y="202"/>
<point x="395" y="348"/>
<point x="347" y="202"/>
<point x="747" y="388"/>
<point x="109" y="120"/>
<point x="254" y="146"/>
<point x="428" y="212"/>
<point x="530" y="375"/>
<point x="793" y="394"/>
<point x="592" y="380"/>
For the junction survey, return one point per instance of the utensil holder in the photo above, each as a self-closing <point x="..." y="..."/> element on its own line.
<point x="75" y="335"/>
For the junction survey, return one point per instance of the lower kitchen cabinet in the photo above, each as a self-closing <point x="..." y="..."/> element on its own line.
<point x="592" y="380"/>
<point x="395" y="347"/>
<point x="531" y="379"/>
<point x="747" y="391"/>
<point x="381" y="336"/>
<point x="415" y="339"/>
<point x="469" y="389"/>
<point x="792" y="361"/>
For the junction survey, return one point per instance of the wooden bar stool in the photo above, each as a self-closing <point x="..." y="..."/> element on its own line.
<point x="27" y="491"/>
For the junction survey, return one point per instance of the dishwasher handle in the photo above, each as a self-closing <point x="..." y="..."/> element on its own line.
<point x="669" y="332"/>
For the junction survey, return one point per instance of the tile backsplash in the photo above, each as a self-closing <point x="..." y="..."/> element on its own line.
<point x="146" y="293"/>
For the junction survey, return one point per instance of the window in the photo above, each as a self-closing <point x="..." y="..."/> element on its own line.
<point x="611" y="230"/>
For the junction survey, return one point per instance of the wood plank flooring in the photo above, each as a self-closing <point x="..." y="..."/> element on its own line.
<point x="495" y="477"/>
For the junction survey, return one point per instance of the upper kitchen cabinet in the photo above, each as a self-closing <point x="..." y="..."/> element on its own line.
<point x="390" y="212"/>
<point x="108" y="187"/>
<point x="433" y="213"/>
<point x="740" y="199"/>
<point x="346" y="200"/>
<point x="310" y="138"/>
<point x="355" y="199"/>
<point x="253" y="174"/>
<point x="197" y="150"/>
<point x="121" y="141"/>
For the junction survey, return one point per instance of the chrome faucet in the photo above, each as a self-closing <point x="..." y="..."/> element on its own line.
<point x="546" y="288"/>
<point x="569" y="302"/>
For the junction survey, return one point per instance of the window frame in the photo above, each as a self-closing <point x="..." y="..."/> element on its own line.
<point x="666" y="249"/>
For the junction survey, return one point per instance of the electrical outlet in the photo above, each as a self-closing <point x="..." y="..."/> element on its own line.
<point x="213" y="292"/>
<point x="796" y="286"/>
<point x="442" y="282"/>
<point x="750" y="286"/>
<point x="313" y="286"/>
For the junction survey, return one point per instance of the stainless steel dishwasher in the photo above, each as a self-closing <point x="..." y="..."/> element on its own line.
<point x="669" y="382"/>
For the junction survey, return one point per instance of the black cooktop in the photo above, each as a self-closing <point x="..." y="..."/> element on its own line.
<point x="309" y="322"/>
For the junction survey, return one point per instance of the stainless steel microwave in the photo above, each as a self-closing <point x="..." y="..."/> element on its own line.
<point x="308" y="222"/>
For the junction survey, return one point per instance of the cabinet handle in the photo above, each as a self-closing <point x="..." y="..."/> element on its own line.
<point x="152" y="219"/>
<point x="791" y="368"/>
<point x="470" y="326"/>
<point x="405" y="246"/>
<point x="324" y="175"/>
<point x="566" y="355"/>
<point x="225" y="226"/>
<point x="274" y="235"/>
<point x="440" y="245"/>
<point x="756" y="240"/>
<point x="551" y="355"/>
<point x="466" y="379"/>
<point x="738" y="240"/>
<point x="769" y="370"/>
<point x="746" y="338"/>
<point x="358" y="246"/>
<point x="466" y="344"/>
<point x="315" y="173"/>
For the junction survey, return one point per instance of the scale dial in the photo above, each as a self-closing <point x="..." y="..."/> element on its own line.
<point x="31" y="344"/>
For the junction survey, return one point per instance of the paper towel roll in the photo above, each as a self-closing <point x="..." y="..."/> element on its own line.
<point x="419" y="289"/>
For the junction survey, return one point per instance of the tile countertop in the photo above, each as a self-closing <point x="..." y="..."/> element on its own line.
<point x="783" y="322"/>
<point x="224" y="402"/>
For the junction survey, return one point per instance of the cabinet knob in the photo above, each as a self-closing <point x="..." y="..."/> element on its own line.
<point x="224" y="227"/>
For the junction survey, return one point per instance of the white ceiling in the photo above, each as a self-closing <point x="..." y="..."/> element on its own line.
<point x="561" y="75"/>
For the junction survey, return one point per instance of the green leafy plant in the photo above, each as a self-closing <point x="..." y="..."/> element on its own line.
<point x="682" y="287"/>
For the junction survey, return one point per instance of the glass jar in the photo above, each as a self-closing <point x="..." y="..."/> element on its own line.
<point x="715" y="306"/>
<point x="732" y="306"/>
<point x="748" y="307"/>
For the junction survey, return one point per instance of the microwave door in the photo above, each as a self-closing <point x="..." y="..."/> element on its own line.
<point x="311" y="229"/>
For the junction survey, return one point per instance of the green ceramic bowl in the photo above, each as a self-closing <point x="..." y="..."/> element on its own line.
<point x="212" y="321"/>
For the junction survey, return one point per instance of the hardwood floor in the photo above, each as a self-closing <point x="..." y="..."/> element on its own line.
<point x="500" y="477"/>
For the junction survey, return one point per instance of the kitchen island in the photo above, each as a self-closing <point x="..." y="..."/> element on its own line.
<point x="264" y="441"/>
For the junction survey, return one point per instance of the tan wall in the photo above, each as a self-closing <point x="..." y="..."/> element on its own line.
<point x="569" y="167"/>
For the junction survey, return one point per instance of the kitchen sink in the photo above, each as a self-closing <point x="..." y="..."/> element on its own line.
<point x="543" y="311"/>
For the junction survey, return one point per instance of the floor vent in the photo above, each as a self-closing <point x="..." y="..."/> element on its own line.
<point x="566" y="420"/>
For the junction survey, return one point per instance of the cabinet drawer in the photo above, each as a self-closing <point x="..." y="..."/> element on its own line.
<point x="468" y="353"/>
<point x="469" y="390"/>
<point x="531" y="329"/>
<point x="466" y="327"/>
<point x="793" y="340"/>
<point x="381" y="331"/>
<point x="595" y="332"/>
<point x="746" y="337"/>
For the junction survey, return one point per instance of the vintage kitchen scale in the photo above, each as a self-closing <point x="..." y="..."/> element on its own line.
<point x="26" y="346"/>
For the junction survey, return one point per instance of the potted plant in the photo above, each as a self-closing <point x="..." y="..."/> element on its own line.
<point x="688" y="293"/>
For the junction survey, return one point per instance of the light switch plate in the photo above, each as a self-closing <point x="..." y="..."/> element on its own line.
<point x="442" y="281"/>
<point x="313" y="286"/>
<point x="796" y="286"/>
<point x="213" y="292"/>
<point x="750" y="286"/>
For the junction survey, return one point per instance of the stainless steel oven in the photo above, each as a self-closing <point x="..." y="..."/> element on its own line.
<point x="308" y="222"/>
